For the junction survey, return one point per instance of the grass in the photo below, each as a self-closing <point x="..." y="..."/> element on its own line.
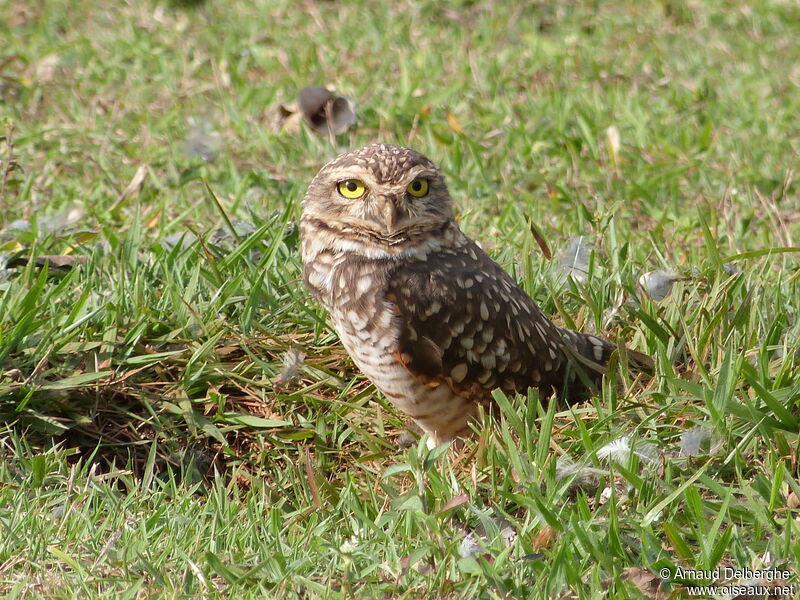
<point x="148" y="450"/>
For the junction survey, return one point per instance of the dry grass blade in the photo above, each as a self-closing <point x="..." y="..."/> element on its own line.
<point x="541" y="242"/>
<point x="311" y="477"/>
<point x="132" y="189"/>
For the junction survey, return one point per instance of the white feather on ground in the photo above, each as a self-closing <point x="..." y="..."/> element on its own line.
<point x="293" y="360"/>
<point x="621" y="449"/>
<point x="573" y="260"/>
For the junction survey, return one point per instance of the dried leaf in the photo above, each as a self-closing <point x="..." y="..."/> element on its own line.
<point x="321" y="109"/>
<point x="424" y="568"/>
<point x="454" y="502"/>
<point x="311" y="476"/>
<point x="14" y="375"/>
<point x="256" y="422"/>
<point x="133" y="188"/>
<point x="612" y="144"/>
<point x="108" y="545"/>
<point x="544" y="539"/>
<point x="312" y="100"/>
<point x="646" y="581"/>
<point x="453" y="123"/>
<point x="227" y="350"/>
<point x="289" y="117"/>
<point x="541" y="241"/>
<point x="326" y="112"/>
<point x="152" y="219"/>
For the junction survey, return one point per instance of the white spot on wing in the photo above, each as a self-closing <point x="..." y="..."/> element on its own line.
<point x="459" y="372"/>
<point x="364" y="284"/>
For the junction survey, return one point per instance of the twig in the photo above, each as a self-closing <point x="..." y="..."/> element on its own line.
<point x="8" y="165"/>
<point x="329" y="122"/>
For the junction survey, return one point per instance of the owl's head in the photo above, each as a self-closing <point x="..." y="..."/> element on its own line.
<point x="381" y="193"/>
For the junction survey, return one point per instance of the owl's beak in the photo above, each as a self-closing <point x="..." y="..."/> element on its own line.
<point x="392" y="213"/>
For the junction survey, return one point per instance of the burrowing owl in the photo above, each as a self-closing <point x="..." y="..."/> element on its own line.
<point x="426" y="314"/>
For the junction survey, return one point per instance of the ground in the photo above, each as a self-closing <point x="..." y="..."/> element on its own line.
<point x="163" y="435"/>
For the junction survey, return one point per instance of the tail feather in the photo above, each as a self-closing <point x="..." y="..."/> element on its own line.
<point x="589" y="356"/>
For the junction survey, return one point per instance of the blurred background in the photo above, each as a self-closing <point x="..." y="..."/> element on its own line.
<point x="516" y="101"/>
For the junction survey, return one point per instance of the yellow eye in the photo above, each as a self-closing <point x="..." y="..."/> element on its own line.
<point x="418" y="188"/>
<point x="352" y="188"/>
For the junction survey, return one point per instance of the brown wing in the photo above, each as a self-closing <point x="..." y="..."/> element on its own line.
<point x="466" y="322"/>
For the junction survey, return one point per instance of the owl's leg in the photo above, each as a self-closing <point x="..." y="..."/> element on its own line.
<point x="457" y="439"/>
<point x="450" y="423"/>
